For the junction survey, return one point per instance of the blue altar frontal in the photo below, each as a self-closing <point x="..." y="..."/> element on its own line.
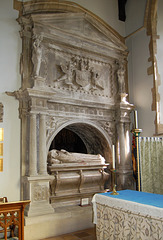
<point x="129" y="215"/>
<point x="152" y="199"/>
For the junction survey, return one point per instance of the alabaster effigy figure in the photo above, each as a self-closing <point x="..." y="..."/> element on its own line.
<point x="63" y="156"/>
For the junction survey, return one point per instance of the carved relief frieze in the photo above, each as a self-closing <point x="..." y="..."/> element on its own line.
<point x="40" y="192"/>
<point x="78" y="74"/>
<point x="40" y="102"/>
<point x="108" y="127"/>
<point x="37" y="104"/>
<point x="73" y="73"/>
<point x="68" y="110"/>
<point x="52" y="124"/>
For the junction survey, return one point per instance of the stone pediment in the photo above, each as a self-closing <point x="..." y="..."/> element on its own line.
<point x="72" y="52"/>
<point x="80" y="27"/>
<point x="71" y="18"/>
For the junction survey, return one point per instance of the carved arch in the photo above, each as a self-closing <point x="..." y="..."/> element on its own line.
<point x="97" y="136"/>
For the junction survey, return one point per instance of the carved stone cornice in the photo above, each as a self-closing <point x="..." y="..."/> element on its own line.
<point x="58" y="29"/>
<point x="44" y="6"/>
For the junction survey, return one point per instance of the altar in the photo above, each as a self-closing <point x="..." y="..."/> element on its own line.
<point x="129" y="215"/>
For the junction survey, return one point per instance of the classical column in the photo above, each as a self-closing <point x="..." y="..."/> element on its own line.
<point x="36" y="185"/>
<point x="122" y="144"/>
<point x="124" y="170"/>
<point x="32" y="146"/>
<point x="128" y="140"/>
<point x="42" y="146"/>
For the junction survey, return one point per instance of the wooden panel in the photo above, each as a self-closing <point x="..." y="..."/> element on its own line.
<point x="12" y="219"/>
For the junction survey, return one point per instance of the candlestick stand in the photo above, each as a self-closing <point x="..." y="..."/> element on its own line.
<point x="114" y="192"/>
<point x="136" y="132"/>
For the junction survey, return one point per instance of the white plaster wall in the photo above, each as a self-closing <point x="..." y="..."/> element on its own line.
<point x="135" y="11"/>
<point x="10" y="81"/>
<point x="140" y="84"/>
<point x="159" y="55"/>
<point x="107" y="10"/>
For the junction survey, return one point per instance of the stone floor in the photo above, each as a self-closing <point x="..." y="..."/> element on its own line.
<point x="87" y="234"/>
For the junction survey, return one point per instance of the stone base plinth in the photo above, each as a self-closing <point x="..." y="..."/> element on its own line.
<point x="37" y="190"/>
<point x="64" y="220"/>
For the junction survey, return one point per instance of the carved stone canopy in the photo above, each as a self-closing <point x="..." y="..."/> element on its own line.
<point x="73" y="68"/>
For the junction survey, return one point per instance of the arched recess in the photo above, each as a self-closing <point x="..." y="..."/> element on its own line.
<point x="94" y="138"/>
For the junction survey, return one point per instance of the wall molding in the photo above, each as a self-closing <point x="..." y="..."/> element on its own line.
<point x="150" y="23"/>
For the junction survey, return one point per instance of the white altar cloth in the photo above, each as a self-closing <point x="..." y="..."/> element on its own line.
<point x="131" y="215"/>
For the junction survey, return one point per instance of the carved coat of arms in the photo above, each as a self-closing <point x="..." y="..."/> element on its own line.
<point x="78" y="74"/>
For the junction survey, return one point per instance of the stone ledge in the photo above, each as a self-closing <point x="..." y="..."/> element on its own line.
<point x="63" y="221"/>
<point x="60" y="213"/>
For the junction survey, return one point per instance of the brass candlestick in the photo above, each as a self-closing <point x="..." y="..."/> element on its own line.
<point x="114" y="192"/>
<point x="136" y="132"/>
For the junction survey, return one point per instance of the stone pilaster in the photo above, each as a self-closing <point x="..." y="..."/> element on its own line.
<point x="122" y="144"/>
<point x="32" y="146"/>
<point x="42" y="146"/>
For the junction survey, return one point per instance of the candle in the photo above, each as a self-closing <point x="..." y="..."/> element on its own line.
<point x="113" y="156"/>
<point x="136" y="119"/>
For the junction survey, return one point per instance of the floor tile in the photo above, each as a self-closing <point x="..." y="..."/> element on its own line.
<point x="87" y="234"/>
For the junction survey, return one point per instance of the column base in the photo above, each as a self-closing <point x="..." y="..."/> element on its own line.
<point x="125" y="179"/>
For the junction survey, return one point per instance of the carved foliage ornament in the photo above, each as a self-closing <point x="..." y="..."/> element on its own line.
<point x="40" y="192"/>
